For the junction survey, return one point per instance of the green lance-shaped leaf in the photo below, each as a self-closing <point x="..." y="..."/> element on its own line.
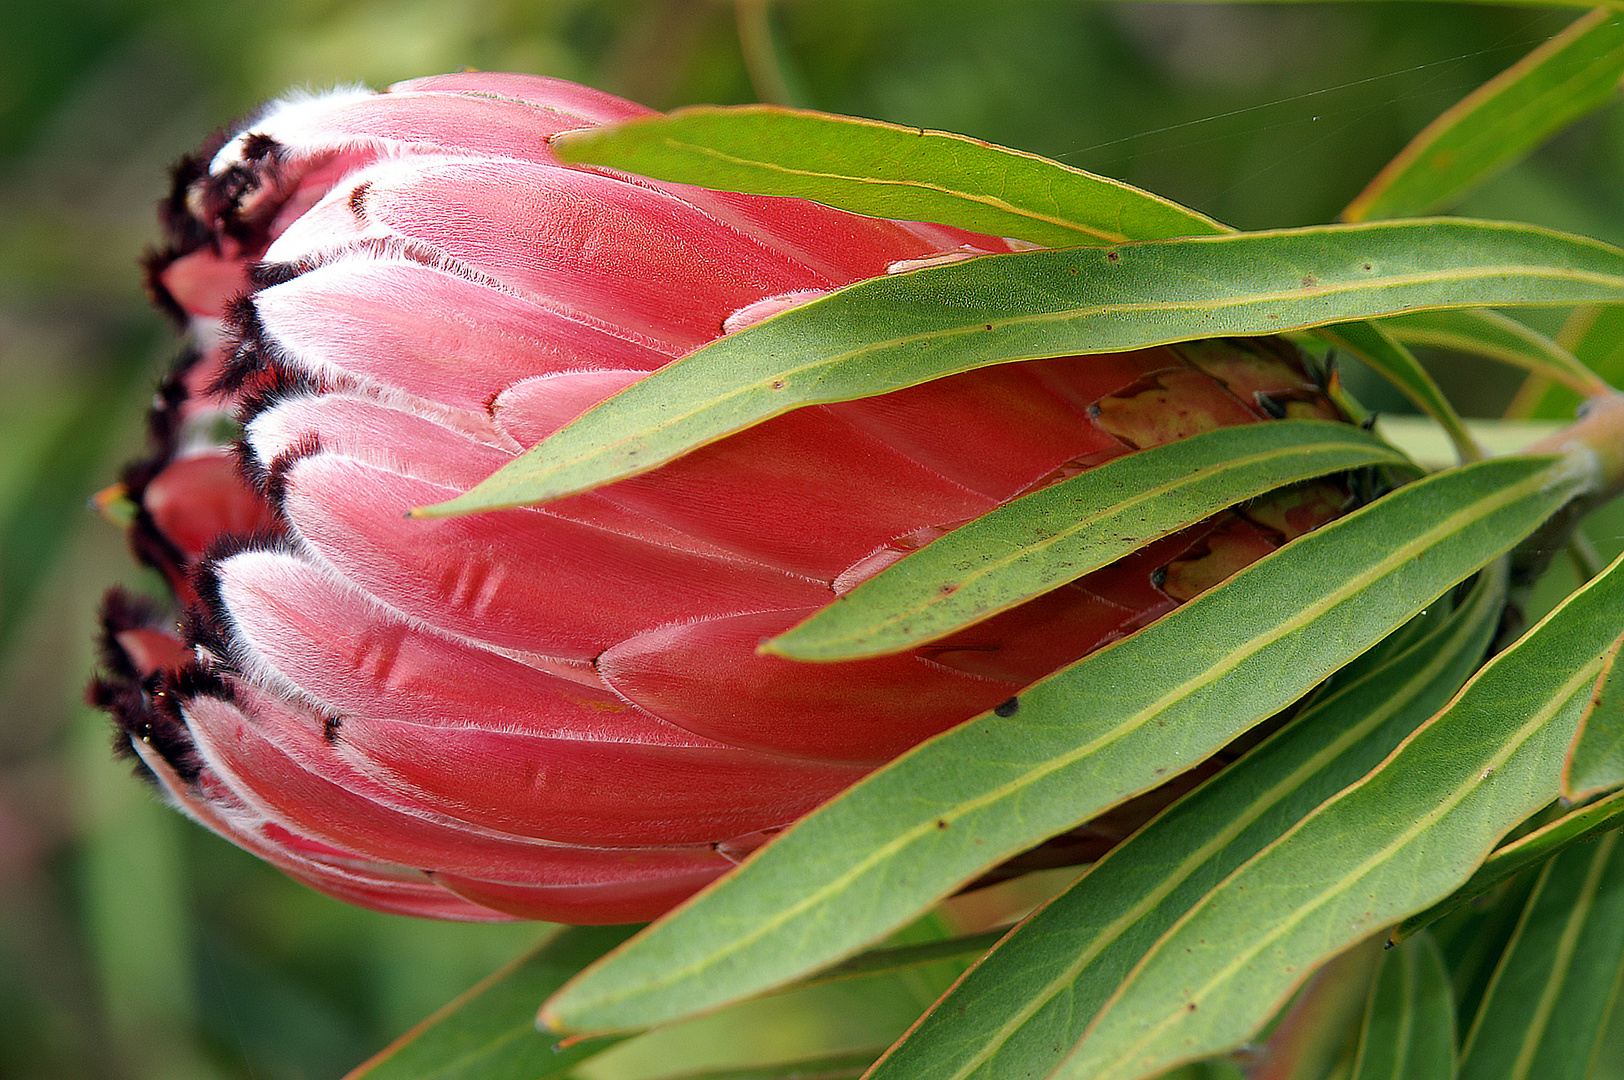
<point x="1596" y="761"/>
<point x="490" y="1032"/>
<point x="1548" y="1003"/>
<point x="1059" y="533"/>
<point x="884" y="170"/>
<point x="1568" y="76"/>
<point x="1022" y="1008"/>
<point x="1513" y="858"/>
<point x="1594" y="335"/>
<point x="1118" y="722"/>
<point x="1395" y="842"/>
<point x="1498" y="337"/>
<point x="1409" y="1027"/>
<point x="898" y="331"/>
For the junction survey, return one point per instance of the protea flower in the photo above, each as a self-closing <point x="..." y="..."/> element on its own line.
<point x="560" y="712"/>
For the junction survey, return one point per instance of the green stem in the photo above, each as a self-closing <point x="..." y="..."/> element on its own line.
<point x="1599" y="435"/>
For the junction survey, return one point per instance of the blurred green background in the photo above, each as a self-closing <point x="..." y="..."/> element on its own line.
<point x="133" y="945"/>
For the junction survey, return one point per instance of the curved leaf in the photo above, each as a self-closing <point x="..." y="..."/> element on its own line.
<point x="1506" y="862"/>
<point x="1118" y="722"/>
<point x="884" y="170"/>
<point x="1393" y="362"/>
<point x="894" y="332"/>
<point x="1395" y="842"/>
<point x="1558" y="981"/>
<point x="1596" y="760"/>
<point x="1409" y="1028"/>
<point x="1021" y="1009"/>
<point x="1594" y="335"/>
<point x="1059" y="533"/>
<point x="1498" y="337"/>
<point x="1568" y="76"/>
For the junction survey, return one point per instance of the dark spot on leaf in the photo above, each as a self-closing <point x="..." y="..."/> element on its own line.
<point x="989" y="326"/>
<point x="1113" y="256"/>
<point x="1007" y="708"/>
<point x="941" y="823"/>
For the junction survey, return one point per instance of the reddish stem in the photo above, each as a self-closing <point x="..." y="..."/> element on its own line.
<point x="1598" y="434"/>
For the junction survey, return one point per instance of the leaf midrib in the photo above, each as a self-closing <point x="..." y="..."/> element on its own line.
<point x="1266" y="801"/>
<point x="1557" y="703"/>
<point x="1120" y="509"/>
<point x="604" y="448"/>
<point x="1107" y="935"/>
<point x="1010" y="208"/>
<point x="1346" y="591"/>
<point x="1578" y="915"/>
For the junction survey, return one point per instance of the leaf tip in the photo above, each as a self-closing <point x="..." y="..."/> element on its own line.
<point x="548" y="1022"/>
<point x="788" y="644"/>
<point x="774" y="647"/>
<point x="476" y="500"/>
<point x="449" y="508"/>
<point x="813" y="647"/>
<point x="573" y="147"/>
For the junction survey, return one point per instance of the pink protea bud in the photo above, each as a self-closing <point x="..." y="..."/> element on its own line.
<point x="560" y="712"/>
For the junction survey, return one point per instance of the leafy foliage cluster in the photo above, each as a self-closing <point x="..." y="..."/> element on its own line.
<point x="1466" y="809"/>
<point x="1424" y="797"/>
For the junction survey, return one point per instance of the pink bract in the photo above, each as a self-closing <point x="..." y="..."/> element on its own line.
<point x="560" y="712"/>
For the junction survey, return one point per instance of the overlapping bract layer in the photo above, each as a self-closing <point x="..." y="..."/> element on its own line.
<point x="560" y="712"/>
